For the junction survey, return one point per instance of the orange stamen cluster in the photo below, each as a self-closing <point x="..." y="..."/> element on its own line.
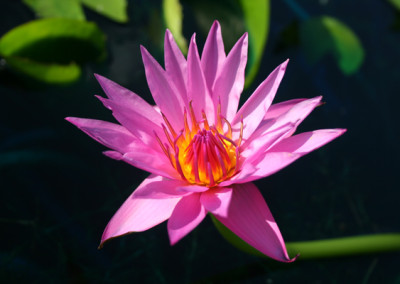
<point x="202" y="154"/>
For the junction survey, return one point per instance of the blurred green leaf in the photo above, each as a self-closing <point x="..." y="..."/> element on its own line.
<point x="323" y="35"/>
<point x="113" y="9"/>
<point x="395" y="3"/>
<point x="173" y="18"/>
<point x="227" y="12"/>
<point x="45" y="72"/>
<point x="46" y="49"/>
<point x="71" y="9"/>
<point x="256" y="15"/>
<point x="55" y="40"/>
<point x="237" y="17"/>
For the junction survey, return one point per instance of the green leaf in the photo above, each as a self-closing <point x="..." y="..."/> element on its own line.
<point x="227" y="12"/>
<point x="395" y="3"/>
<point x="71" y="9"/>
<point x="256" y="15"/>
<point x="326" y="35"/>
<point x="48" y="49"/>
<point x="237" y="17"/>
<point x="46" y="73"/>
<point x="113" y="9"/>
<point x="173" y="17"/>
<point x="55" y="40"/>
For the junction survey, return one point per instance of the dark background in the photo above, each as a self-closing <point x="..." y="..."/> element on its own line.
<point x="57" y="191"/>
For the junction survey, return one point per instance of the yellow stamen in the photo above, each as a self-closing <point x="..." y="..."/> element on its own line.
<point x="203" y="154"/>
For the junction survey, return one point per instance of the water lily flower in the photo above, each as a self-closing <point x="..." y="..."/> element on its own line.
<point x="202" y="152"/>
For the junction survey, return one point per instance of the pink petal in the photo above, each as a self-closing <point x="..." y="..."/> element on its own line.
<point x="192" y="188"/>
<point x="111" y="135"/>
<point x="113" y="155"/>
<point x="278" y="109"/>
<point x="230" y="81"/>
<point x="253" y="111"/>
<point x="138" y="214"/>
<point x="124" y="97"/>
<point x="308" y="141"/>
<point x="217" y="200"/>
<point x="164" y="92"/>
<point x="175" y="65"/>
<point x="187" y="214"/>
<point x="161" y="188"/>
<point x="266" y="165"/>
<point x="198" y="91"/>
<point x="141" y="126"/>
<point x="213" y="56"/>
<point x="250" y="219"/>
<point x="251" y="149"/>
<point x="294" y="115"/>
<point x="149" y="160"/>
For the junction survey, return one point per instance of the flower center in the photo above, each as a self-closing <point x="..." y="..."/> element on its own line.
<point x="202" y="154"/>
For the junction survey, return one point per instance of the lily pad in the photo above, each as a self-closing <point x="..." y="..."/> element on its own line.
<point x="173" y="17"/>
<point x="115" y="10"/>
<point x="45" y="73"/>
<point x="71" y="9"/>
<point x="55" y="40"/>
<point x="49" y="50"/>
<point x="326" y="35"/>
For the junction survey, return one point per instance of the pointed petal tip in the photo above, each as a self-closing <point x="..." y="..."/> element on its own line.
<point x="216" y="24"/>
<point x="113" y="155"/>
<point x="172" y="240"/>
<point x="73" y="120"/>
<point x="105" y="239"/>
<point x="193" y="39"/>
<point x="98" y="76"/>
<point x="341" y="131"/>
<point x="288" y="259"/>
<point x="102" y="80"/>
<point x="146" y="56"/>
<point x="143" y="50"/>
<point x="284" y="65"/>
<point x="99" y="97"/>
<point x="104" y="101"/>
<point x="317" y="99"/>
<point x="168" y="36"/>
<point x="243" y="39"/>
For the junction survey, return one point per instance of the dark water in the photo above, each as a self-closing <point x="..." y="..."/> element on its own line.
<point x="58" y="191"/>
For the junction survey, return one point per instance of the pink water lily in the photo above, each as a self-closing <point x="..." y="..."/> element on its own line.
<point x="202" y="153"/>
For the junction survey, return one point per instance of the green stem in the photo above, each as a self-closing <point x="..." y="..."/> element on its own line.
<point x="347" y="246"/>
<point x="365" y="244"/>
